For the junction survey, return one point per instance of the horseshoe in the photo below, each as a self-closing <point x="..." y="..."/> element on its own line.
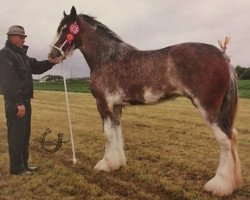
<point x="56" y="144"/>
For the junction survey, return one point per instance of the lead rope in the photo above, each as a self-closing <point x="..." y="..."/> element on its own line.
<point x="69" y="117"/>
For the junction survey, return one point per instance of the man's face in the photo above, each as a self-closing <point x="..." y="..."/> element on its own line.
<point x="17" y="40"/>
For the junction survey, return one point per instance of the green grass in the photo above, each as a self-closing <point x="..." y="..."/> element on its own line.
<point x="244" y="88"/>
<point x="83" y="86"/>
<point x="72" y="86"/>
<point x="171" y="153"/>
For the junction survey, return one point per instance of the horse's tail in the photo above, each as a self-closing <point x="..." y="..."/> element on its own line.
<point x="237" y="169"/>
<point x="230" y="102"/>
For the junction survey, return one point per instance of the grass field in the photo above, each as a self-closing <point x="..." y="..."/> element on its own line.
<point x="244" y="88"/>
<point x="170" y="151"/>
<point x="72" y="86"/>
<point x="83" y="86"/>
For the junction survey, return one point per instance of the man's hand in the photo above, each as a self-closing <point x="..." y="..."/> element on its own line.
<point x="21" y="111"/>
<point x="57" y="59"/>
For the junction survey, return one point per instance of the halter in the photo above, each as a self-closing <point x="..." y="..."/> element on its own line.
<point x="73" y="31"/>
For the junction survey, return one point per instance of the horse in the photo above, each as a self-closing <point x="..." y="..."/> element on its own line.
<point x="121" y="75"/>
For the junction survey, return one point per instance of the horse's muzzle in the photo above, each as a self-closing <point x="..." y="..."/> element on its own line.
<point x="55" y="52"/>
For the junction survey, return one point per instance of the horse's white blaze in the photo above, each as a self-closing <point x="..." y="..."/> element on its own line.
<point x="114" y="156"/>
<point x="58" y="35"/>
<point x="223" y="183"/>
<point x="150" y="97"/>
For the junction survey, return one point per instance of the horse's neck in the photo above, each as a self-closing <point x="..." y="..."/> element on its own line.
<point x="99" y="50"/>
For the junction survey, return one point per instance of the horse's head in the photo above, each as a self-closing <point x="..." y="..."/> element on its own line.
<point x="67" y="35"/>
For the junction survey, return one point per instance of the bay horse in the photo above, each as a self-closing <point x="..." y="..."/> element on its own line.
<point x="122" y="75"/>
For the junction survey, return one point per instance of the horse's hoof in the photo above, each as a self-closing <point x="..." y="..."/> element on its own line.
<point x="219" y="187"/>
<point x="102" y="166"/>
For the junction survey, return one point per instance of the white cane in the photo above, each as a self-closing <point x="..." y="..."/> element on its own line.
<point x="69" y="117"/>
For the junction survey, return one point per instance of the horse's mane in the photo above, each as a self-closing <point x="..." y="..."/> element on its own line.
<point x="100" y="28"/>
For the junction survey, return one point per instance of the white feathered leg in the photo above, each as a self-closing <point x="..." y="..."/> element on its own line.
<point x="223" y="183"/>
<point x="114" y="156"/>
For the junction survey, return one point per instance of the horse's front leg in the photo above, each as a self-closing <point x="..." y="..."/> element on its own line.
<point x="114" y="156"/>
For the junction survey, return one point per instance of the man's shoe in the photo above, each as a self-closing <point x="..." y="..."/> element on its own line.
<point x="23" y="173"/>
<point x="32" y="168"/>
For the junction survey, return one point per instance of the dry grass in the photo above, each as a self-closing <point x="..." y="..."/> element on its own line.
<point x="171" y="153"/>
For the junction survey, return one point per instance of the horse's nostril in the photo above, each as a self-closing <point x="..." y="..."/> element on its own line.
<point x="49" y="56"/>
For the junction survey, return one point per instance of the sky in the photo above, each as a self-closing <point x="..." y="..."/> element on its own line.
<point x="144" y="24"/>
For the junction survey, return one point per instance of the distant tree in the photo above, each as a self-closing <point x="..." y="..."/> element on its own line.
<point x="239" y="70"/>
<point x="246" y="74"/>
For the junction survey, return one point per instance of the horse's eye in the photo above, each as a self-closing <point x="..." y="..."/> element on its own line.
<point x="64" y="30"/>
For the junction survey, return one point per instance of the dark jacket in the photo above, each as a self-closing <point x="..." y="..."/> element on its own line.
<point x="16" y="70"/>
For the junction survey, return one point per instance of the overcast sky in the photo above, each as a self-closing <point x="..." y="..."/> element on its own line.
<point x="145" y="24"/>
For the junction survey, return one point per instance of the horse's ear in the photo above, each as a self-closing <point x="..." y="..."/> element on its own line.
<point x="73" y="14"/>
<point x="64" y="14"/>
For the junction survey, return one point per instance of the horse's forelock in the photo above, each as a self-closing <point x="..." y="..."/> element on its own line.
<point x="64" y="22"/>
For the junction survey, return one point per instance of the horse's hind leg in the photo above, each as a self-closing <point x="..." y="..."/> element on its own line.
<point x="228" y="175"/>
<point x="114" y="156"/>
<point x="225" y="180"/>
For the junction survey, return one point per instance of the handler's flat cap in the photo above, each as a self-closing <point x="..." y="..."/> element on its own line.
<point x="16" y="30"/>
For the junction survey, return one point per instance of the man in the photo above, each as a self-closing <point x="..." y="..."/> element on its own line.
<point x="16" y="70"/>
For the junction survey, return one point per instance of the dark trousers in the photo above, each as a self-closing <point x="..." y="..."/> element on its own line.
<point x="18" y="135"/>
